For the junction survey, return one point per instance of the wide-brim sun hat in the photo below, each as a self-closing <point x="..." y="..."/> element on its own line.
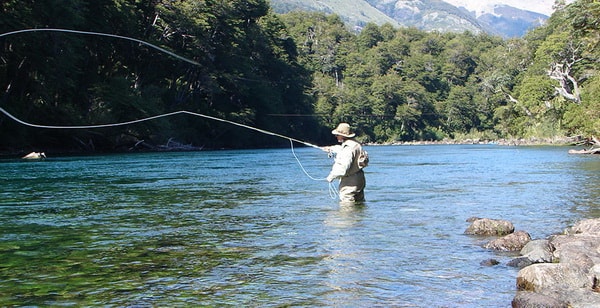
<point x="343" y="130"/>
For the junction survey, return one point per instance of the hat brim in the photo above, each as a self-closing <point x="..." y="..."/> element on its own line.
<point x="335" y="132"/>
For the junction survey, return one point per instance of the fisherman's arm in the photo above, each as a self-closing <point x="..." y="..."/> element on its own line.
<point x="341" y="165"/>
<point x="333" y="149"/>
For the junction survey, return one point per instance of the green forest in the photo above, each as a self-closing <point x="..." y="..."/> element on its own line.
<point x="297" y="74"/>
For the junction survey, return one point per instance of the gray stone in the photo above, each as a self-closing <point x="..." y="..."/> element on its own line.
<point x="486" y="226"/>
<point x="512" y="242"/>
<point x="573" y="277"/>
<point x="538" y="251"/>
<point x="489" y="262"/>
<point x="538" y="277"/>
<point x="519" y="262"/>
<point x="537" y="300"/>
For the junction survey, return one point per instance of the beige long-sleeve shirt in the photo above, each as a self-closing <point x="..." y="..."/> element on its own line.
<point x="346" y="155"/>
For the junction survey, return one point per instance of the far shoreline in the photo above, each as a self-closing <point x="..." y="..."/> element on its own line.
<point x="554" y="141"/>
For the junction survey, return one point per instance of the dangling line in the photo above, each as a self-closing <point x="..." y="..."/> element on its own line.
<point x="333" y="193"/>
<point x="332" y="190"/>
<point x="300" y="164"/>
<point x="104" y="34"/>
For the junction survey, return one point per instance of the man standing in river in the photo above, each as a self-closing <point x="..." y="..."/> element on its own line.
<point x="348" y="164"/>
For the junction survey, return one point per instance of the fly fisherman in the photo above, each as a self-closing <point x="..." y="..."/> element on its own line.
<point x="348" y="164"/>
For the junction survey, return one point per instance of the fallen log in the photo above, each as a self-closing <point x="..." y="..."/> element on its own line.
<point x="594" y="147"/>
<point x="585" y="151"/>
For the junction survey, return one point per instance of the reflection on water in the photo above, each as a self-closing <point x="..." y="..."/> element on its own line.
<point x="249" y="228"/>
<point x="347" y="259"/>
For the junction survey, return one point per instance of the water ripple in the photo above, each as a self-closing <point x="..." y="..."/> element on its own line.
<point x="248" y="228"/>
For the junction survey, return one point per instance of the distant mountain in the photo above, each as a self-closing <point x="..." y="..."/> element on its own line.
<point x="429" y="15"/>
<point x="508" y="21"/>
<point x="544" y="7"/>
<point x="356" y="15"/>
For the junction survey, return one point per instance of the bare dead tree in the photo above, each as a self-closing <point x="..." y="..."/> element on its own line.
<point x="561" y="72"/>
<point x="593" y="146"/>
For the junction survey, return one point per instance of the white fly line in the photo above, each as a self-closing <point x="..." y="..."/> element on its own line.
<point x="292" y="140"/>
<point x="151" y="117"/>
<point x="103" y="34"/>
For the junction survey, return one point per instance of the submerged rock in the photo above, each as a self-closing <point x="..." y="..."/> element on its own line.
<point x="519" y="262"/>
<point x="489" y="262"/>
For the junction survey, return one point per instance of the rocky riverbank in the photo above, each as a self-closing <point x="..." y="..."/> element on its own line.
<point x="560" y="271"/>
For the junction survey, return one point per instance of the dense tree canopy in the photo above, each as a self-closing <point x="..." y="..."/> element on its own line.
<point x="247" y="72"/>
<point x="405" y="84"/>
<point x="296" y="74"/>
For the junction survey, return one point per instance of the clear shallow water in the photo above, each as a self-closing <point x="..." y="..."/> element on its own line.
<point x="249" y="228"/>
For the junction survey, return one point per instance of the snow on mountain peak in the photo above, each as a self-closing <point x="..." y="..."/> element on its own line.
<point x="487" y="6"/>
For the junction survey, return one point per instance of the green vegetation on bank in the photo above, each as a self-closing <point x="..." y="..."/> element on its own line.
<point x="296" y="74"/>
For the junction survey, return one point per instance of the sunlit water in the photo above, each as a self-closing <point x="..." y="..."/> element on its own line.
<point x="250" y="228"/>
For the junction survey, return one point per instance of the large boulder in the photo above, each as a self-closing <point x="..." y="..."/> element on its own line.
<point x="536" y="251"/>
<point x="538" y="277"/>
<point x="512" y="242"/>
<point x="573" y="277"/>
<point x="489" y="227"/>
<point x="589" y="226"/>
<point x="579" y="298"/>
<point x="537" y="300"/>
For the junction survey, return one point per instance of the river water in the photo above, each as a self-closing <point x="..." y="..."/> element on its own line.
<point x="251" y="228"/>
